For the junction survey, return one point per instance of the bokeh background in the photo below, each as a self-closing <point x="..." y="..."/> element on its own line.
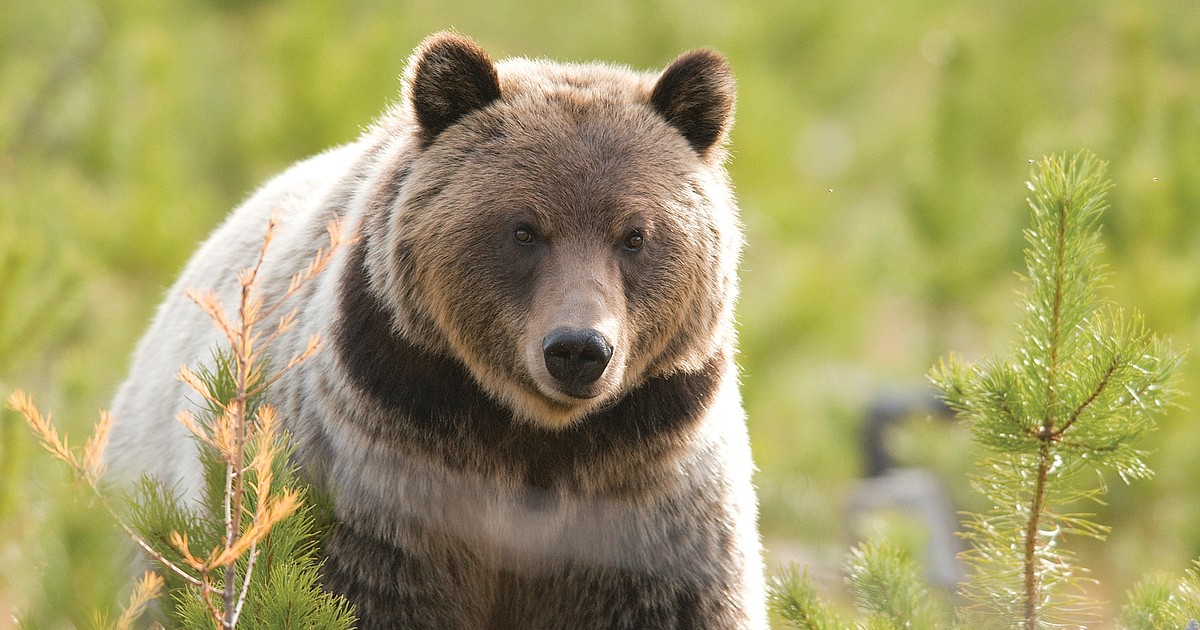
<point x="879" y="156"/>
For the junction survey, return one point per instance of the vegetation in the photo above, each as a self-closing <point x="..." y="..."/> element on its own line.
<point x="248" y="557"/>
<point x="874" y="155"/>
<point x="1077" y="394"/>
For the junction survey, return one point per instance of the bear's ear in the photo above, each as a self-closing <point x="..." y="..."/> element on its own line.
<point x="448" y="77"/>
<point x="695" y="94"/>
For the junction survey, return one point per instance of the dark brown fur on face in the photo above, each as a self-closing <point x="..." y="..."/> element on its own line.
<point x="582" y="160"/>
<point x="444" y="409"/>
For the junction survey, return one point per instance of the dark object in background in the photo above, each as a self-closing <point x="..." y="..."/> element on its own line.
<point x="914" y="491"/>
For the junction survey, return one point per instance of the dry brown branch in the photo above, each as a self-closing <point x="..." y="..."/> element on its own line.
<point x="43" y="428"/>
<point x="191" y="379"/>
<point x="188" y="420"/>
<point x="145" y="591"/>
<point x="212" y="306"/>
<point x="93" y="451"/>
<point x="46" y="433"/>
<point x="314" y="346"/>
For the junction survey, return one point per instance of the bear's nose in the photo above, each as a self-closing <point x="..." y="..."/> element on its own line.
<point x="576" y="358"/>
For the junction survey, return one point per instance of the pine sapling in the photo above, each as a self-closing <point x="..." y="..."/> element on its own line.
<point x="1079" y="389"/>
<point x="1159" y="601"/>
<point x="255" y="494"/>
<point x="793" y="597"/>
<point x="1081" y="386"/>
<point x="884" y="582"/>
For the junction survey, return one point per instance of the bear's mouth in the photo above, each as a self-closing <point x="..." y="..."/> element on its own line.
<point x="580" y="393"/>
<point x="567" y="396"/>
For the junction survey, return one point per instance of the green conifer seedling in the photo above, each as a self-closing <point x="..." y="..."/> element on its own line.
<point x="1079" y="389"/>
<point x="1081" y="386"/>
<point x="284" y="589"/>
<point x="886" y="584"/>
<point x="794" y="598"/>
<point x="1158" y="601"/>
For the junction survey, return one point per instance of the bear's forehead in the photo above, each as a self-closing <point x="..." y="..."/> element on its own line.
<point x="536" y="77"/>
<point x="578" y="168"/>
<point x="587" y="120"/>
<point x="565" y="143"/>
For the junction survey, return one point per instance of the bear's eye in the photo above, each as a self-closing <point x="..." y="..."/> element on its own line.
<point x="523" y="235"/>
<point x="634" y="241"/>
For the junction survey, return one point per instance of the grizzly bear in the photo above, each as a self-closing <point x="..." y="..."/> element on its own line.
<point x="527" y="413"/>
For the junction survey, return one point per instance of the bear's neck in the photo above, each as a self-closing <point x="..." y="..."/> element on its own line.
<point x="415" y="398"/>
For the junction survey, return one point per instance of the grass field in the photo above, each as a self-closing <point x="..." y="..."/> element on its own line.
<point x="878" y="155"/>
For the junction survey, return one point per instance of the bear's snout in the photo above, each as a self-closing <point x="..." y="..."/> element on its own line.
<point x="576" y="358"/>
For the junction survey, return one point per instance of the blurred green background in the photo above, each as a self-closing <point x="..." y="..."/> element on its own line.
<point x="879" y="156"/>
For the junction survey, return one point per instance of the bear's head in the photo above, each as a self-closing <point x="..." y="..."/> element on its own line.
<point x="565" y="231"/>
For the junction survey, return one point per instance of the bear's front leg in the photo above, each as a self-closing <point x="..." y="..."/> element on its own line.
<point x="609" y="598"/>
<point x="431" y="583"/>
